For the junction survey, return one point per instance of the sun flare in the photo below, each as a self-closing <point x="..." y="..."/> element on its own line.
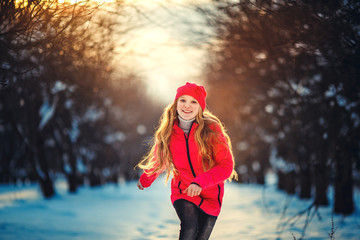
<point x="79" y="1"/>
<point x="109" y="1"/>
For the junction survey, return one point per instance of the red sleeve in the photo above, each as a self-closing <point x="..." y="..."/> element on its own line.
<point x="223" y="167"/>
<point x="146" y="179"/>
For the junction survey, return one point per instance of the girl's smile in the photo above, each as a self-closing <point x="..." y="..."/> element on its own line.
<point x="187" y="107"/>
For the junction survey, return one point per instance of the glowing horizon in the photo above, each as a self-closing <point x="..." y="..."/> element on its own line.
<point x="79" y="1"/>
<point x="158" y="52"/>
<point x="126" y="1"/>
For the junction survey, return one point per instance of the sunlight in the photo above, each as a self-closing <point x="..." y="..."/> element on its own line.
<point x="79" y="1"/>
<point x="127" y="1"/>
<point x="8" y="198"/>
<point x="157" y="1"/>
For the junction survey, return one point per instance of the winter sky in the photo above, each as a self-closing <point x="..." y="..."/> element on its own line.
<point x="167" y="50"/>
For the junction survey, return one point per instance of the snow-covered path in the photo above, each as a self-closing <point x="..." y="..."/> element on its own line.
<point x="123" y="212"/>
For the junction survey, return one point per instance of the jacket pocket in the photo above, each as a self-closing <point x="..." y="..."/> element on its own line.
<point x="177" y="186"/>
<point x="210" y="192"/>
<point x="214" y="193"/>
<point x="220" y="194"/>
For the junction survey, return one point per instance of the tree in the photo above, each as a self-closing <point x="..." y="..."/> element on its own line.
<point x="288" y="70"/>
<point x="65" y="107"/>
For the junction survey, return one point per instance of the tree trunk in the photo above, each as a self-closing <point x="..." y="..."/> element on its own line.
<point x="46" y="183"/>
<point x="72" y="182"/>
<point x="305" y="183"/>
<point x="290" y="182"/>
<point x="66" y="147"/>
<point x="263" y="157"/>
<point x="344" y="202"/>
<point x="72" y="176"/>
<point x="114" y="178"/>
<point x="281" y="180"/>
<point x="5" y="168"/>
<point x="94" y="178"/>
<point x="260" y="176"/>
<point x="47" y="187"/>
<point x="321" y="185"/>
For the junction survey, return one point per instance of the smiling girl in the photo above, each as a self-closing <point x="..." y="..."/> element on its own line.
<point x="191" y="143"/>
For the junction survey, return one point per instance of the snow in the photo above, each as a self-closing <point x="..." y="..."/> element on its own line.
<point x="46" y="112"/>
<point x="123" y="212"/>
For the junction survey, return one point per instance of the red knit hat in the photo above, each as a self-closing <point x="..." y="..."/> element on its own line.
<point x="196" y="91"/>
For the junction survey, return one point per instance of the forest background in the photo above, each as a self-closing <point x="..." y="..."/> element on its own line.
<point x="83" y="83"/>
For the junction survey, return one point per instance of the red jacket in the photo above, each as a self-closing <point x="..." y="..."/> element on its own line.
<point x="187" y="161"/>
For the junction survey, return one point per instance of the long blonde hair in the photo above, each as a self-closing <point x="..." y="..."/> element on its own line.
<point x="159" y="157"/>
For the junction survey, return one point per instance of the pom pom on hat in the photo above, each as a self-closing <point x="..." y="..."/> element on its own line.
<point x="196" y="91"/>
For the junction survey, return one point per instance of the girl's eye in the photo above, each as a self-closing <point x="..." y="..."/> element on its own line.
<point x="193" y="102"/>
<point x="182" y="100"/>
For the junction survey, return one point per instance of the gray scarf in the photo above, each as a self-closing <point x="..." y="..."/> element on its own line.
<point x="185" y="124"/>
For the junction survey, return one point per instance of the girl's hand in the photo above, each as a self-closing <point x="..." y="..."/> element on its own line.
<point x="140" y="186"/>
<point x="193" y="190"/>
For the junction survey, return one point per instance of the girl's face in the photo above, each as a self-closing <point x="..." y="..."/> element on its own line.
<point x="187" y="107"/>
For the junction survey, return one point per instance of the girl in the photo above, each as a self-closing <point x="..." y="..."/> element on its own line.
<point x="191" y="143"/>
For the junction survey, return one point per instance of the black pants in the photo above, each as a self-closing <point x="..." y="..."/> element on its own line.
<point x="194" y="223"/>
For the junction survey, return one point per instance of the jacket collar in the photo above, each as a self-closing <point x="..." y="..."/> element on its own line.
<point x="178" y="130"/>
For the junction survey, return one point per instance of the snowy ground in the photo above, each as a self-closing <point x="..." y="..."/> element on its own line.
<point x="123" y="212"/>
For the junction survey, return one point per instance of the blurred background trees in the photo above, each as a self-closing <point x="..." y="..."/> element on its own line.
<point x="285" y="75"/>
<point x="63" y="108"/>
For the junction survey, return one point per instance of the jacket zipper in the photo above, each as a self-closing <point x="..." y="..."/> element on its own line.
<point x="189" y="159"/>
<point x="188" y="150"/>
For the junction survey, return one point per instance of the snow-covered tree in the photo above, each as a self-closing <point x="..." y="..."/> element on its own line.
<point x="286" y="73"/>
